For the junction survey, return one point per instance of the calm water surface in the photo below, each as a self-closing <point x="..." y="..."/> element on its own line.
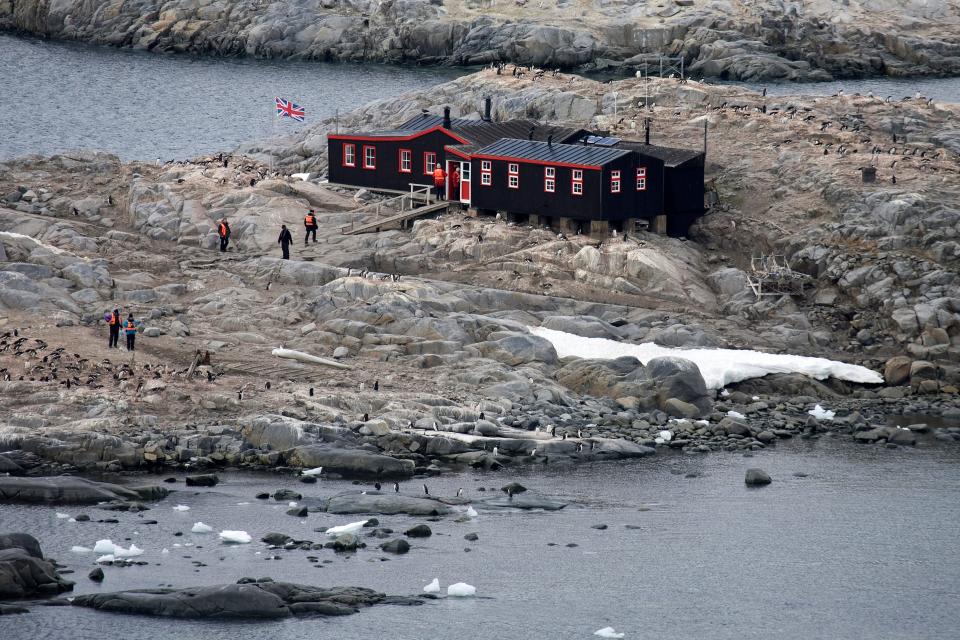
<point x="58" y="97"/>
<point x="865" y="546"/>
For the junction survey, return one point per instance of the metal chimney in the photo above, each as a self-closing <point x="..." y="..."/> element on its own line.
<point x="446" y="117"/>
<point x="487" y="105"/>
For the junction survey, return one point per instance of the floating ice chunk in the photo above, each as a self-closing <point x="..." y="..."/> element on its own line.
<point x="242" y="504"/>
<point x="181" y="507"/>
<point x="79" y="549"/>
<point x="177" y="545"/>
<point x="165" y="551"/>
<point x="235" y="537"/>
<point x="312" y="472"/>
<point x="471" y="512"/>
<point x="106" y="558"/>
<point x="433" y="587"/>
<point x="104" y="546"/>
<point x="199" y="527"/>
<point x="132" y="552"/>
<point x="71" y="520"/>
<point x="719" y="367"/>
<point x="62" y="516"/>
<point x="461" y="590"/>
<point x="820" y="413"/>
<point x="755" y="398"/>
<point x="353" y="527"/>
<point x="736" y="414"/>
<point x="608" y="632"/>
<point x="292" y="503"/>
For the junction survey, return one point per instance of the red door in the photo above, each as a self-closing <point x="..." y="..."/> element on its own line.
<point x="465" y="182"/>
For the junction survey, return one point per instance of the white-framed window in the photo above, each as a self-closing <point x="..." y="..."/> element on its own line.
<point x="486" y="177"/>
<point x="614" y="182"/>
<point x="406" y="161"/>
<point x="349" y="154"/>
<point x="429" y="162"/>
<point x="549" y="179"/>
<point x="641" y="178"/>
<point x="369" y="157"/>
<point x="576" y="182"/>
<point x="513" y="175"/>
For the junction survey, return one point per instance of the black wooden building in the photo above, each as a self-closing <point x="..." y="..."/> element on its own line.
<point x="564" y="177"/>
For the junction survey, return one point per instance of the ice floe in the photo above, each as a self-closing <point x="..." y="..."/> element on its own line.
<point x="820" y="413"/>
<point x="235" y="537"/>
<point x="608" y="632"/>
<point x="181" y="507"/>
<point x="461" y="590"/>
<point x="199" y="527"/>
<point x="353" y="527"/>
<point x="433" y="587"/>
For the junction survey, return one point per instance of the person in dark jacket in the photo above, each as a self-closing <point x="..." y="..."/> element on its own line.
<point x="130" y="328"/>
<point x="285" y="239"/>
<point x="115" y="322"/>
<point x="223" y="230"/>
<point x="310" y="223"/>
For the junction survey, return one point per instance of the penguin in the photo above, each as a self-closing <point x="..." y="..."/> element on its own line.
<point x="426" y="491"/>
<point x="311" y="392"/>
<point x="460" y="493"/>
<point x="482" y="417"/>
<point x="579" y="433"/>
<point x="268" y="385"/>
<point x="366" y="417"/>
<point x="396" y="487"/>
<point x="376" y="485"/>
<point x="376" y="385"/>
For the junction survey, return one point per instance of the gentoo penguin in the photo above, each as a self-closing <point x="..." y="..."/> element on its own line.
<point x="396" y="487"/>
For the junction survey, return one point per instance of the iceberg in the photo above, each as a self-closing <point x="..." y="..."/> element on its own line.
<point x="79" y="549"/>
<point x="353" y="527"/>
<point x="104" y="546"/>
<point x="719" y="367"/>
<point x="132" y="552"/>
<point x="62" y="516"/>
<point x="181" y="507"/>
<point x="608" y="632"/>
<point x="471" y="512"/>
<point x="106" y="558"/>
<point x="820" y="413"/>
<point x="433" y="587"/>
<point x="199" y="527"/>
<point x="235" y="537"/>
<point x="461" y="590"/>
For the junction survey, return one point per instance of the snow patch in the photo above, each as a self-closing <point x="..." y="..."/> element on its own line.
<point x="719" y="367"/>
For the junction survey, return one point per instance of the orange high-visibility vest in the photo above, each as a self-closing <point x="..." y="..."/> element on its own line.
<point x="223" y="230"/>
<point x="131" y="325"/>
<point x="310" y="220"/>
<point x="438" y="176"/>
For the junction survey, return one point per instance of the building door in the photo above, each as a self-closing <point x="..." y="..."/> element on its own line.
<point x="449" y="189"/>
<point x="465" y="182"/>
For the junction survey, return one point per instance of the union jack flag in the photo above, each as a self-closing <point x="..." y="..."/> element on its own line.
<point x="287" y="109"/>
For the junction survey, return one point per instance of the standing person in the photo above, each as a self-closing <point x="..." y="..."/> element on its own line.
<point x="115" y="322"/>
<point x="223" y="230"/>
<point x="455" y="184"/>
<point x="285" y="239"/>
<point x="439" y="181"/>
<point x="310" y="223"/>
<point x="131" y="331"/>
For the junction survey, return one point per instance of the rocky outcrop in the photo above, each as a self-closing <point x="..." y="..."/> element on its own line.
<point x="385" y="504"/>
<point x="23" y="571"/>
<point x="348" y="462"/>
<point x="735" y="39"/>
<point x="68" y="490"/>
<point x="260" y="600"/>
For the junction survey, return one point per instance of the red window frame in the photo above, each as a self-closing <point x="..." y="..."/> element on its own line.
<point x="641" y="178"/>
<point x="575" y="181"/>
<point x="409" y="157"/>
<point x="513" y="175"/>
<point x="549" y="179"/>
<point x="353" y="152"/>
<point x="366" y="148"/>
<point x="429" y="158"/>
<point x="615" y="181"/>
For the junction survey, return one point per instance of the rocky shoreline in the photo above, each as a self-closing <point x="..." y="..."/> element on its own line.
<point x="733" y="40"/>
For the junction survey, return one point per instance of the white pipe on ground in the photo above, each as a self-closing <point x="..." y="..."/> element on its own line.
<point x="309" y="359"/>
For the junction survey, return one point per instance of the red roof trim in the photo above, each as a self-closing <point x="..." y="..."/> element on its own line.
<point x="539" y="162"/>
<point x="465" y="156"/>
<point x="418" y="134"/>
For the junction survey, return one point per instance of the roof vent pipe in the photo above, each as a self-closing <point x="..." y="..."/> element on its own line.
<point x="550" y="140"/>
<point x="647" y="138"/>
<point x="530" y="133"/>
<point x="487" y="105"/>
<point x="446" y="117"/>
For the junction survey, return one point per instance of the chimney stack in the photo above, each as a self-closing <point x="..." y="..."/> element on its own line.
<point x="487" y="103"/>
<point x="446" y="117"/>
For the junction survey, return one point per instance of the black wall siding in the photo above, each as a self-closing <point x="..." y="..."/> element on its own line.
<point x="387" y="174"/>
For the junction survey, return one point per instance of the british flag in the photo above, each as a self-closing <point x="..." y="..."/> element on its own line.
<point x="287" y="109"/>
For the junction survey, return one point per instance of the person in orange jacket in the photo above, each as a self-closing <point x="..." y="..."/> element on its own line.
<point x="439" y="181"/>
<point x="310" y="223"/>
<point x="455" y="184"/>
<point x="115" y="322"/>
<point x="223" y="230"/>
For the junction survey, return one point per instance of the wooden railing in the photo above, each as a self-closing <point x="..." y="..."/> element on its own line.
<point x="419" y="196"/>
